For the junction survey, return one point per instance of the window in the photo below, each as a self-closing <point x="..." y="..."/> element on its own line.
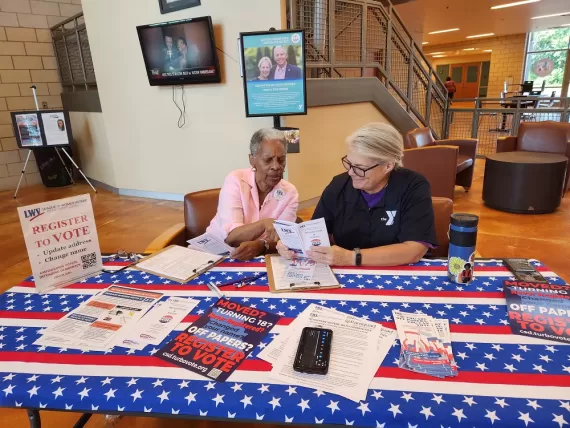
<point x="547" y="59"/>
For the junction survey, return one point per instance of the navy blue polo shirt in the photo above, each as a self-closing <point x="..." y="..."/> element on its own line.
<point x="405" y="213"/>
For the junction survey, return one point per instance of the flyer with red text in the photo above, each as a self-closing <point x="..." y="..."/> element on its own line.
<point x="216" y="344"/>
<point x="61" y="239"/>
<point x="539" y="310"/>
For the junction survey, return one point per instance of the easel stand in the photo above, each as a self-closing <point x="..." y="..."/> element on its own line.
<point x="58" y="155"/>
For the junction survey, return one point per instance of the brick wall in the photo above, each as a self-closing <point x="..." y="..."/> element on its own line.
<point x="26" y="58"/>
<point x="507" y="58"/>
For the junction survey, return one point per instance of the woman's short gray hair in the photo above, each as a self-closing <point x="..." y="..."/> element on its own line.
<point x="265" y="59"/>
<point x="378" y="141"/>
<point x="266" y="134"/>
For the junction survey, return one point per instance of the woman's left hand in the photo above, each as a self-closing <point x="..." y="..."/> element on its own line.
<point x="334" y="255"/>
<point x="248" y="250"/>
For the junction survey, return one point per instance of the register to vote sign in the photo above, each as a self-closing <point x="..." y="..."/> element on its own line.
<point x="61" y="239"/>
<point x="275" y="74"/>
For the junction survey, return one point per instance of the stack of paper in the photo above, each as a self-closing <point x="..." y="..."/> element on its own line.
<point x="299" y="238"/>
<point x="118" y="316"/>
<point x="298" y="274"/>
<point x="358" y="349"/>
<point x="425" y="344"/>
<point x="96" y="323"/>
<point x="208" y="243"/>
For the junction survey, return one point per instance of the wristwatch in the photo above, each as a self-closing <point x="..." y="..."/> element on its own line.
<point x="266" y="244"/>
<point x="358" y="258"/>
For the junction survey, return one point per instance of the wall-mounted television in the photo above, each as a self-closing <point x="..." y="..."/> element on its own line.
<point x="274" y="73"/>
<point x="180" y="52"/>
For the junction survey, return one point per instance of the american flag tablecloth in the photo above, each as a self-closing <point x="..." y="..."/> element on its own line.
<point x="504" y="380"/>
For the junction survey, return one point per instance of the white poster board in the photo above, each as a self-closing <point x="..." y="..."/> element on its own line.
<point x="55" y="128"/>
<point x="61" y="239"/>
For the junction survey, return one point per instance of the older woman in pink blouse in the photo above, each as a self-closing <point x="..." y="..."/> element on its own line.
<point x="251" y="199"/>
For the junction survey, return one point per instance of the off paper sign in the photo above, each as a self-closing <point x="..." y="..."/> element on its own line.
<point x="216" y="344"/>
<point x="61" y="239"/>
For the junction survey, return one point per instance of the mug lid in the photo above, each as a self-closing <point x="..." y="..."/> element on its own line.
<point x="464" y="219"/>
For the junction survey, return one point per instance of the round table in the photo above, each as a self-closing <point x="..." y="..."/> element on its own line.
<point x="524" y="182"/>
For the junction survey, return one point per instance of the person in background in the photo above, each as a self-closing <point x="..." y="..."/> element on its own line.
<point x="171" y="55"/>
<point x="450" y="86"/>
<point x="282" y="70"/>
<point x="264" y="65"/>
<point x="377" y="213"/>
<point x="251" y="199"/>
<point x="189" y="55"/>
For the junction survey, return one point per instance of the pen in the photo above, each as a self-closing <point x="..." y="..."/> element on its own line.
<point x="236" y="281"/>
<point x="216" y="290"/>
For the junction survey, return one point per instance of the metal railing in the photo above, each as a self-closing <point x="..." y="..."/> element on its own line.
<point x="490" y="118"/>
<point x="364" y="38"/>
<point x="71" y="47"/>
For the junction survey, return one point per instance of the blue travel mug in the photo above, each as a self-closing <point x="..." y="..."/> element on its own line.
<point x="462" y="242"/>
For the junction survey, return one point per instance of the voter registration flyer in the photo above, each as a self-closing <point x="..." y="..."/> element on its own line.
<point x="217" y="342"/>
<point x="62" y="242"/>
<point x="539" y="310"/>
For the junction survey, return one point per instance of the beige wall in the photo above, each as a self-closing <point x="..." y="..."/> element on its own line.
<point x="148" y="150"/>
<point x="412" y="14"/>
<point x="507" y="58"/>
<point x="26" y="58"/>
<point x="323" y="134"/>
<point x="462" y="59"/>
<point x="93" y="149"/>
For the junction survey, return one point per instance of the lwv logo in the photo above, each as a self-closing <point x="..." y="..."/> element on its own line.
<point x="32" y="214"/>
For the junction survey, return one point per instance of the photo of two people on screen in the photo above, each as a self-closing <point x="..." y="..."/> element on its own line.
<point x="274" y="63"/>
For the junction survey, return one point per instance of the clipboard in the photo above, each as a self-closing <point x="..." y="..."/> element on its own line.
<point x="271" y="280"/>
<point x="196" y="272"/>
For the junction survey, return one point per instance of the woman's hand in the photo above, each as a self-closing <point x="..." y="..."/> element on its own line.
<point x="248" y="250"/>
<point x="285" y="252"/>
<point x="270" y="233"/>
<point x="334" y="255"/>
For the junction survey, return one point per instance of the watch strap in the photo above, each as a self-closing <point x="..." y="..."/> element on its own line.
<point x="358" y="257"/>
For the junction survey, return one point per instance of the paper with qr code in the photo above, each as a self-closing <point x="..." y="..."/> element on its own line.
<point x="220" y="340"/>
<point x="425" y="344"/>
<point x="95" y="324"/>
<point x="62" y="242"/>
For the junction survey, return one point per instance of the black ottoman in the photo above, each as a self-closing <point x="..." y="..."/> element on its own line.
<point x="524" y="182"/>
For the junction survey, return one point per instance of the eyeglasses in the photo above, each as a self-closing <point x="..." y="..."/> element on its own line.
<point x="122" y="254"/>
<point x="358" y="171"/>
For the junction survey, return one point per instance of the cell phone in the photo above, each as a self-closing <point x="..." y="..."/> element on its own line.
<point x="314" y="351"/>
<point x="524" y="271"/>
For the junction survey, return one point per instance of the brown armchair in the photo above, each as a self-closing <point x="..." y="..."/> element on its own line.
<point x="442" y="210"/>
<point x="444" y="163"/>
<point x="199" y="210"/>
<point x="545" y="137"/>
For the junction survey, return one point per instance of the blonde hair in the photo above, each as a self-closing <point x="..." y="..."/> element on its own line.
<point x="265" y="58"/>
<point x="378" y="141"/>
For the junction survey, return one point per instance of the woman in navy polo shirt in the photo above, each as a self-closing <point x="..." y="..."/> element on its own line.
<point x="377" y="213"/>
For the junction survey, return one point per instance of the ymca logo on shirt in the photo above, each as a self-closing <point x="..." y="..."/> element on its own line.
<point x="391" y="217"/>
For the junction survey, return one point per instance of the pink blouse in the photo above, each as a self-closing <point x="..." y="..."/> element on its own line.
<point x="239" y="203"/>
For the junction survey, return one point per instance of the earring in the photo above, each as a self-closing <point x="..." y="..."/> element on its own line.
<point x="253" y="168"/>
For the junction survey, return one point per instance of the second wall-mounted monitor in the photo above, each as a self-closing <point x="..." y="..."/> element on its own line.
<point x="274" y="73"/>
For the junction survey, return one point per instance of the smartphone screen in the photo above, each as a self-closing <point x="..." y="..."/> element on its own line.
<point x="313" y="353"/>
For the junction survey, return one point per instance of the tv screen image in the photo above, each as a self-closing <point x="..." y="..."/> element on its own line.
<point x="274" y="73"/>
<point x="180" y="52"/>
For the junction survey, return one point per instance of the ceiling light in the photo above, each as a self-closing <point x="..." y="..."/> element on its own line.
<point x="444" y="31"/>
<point x="435" y="53"/>
<point x="565" y="25"/>
<point x="439" y="56"/>
<point x="469" y="49"/>
<point x="551" y="16"/>
<point x="488" y="50"/>
<point x="480" y="35"/>
<point x="517" y="3"/>
<point x="425" y="43"/>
